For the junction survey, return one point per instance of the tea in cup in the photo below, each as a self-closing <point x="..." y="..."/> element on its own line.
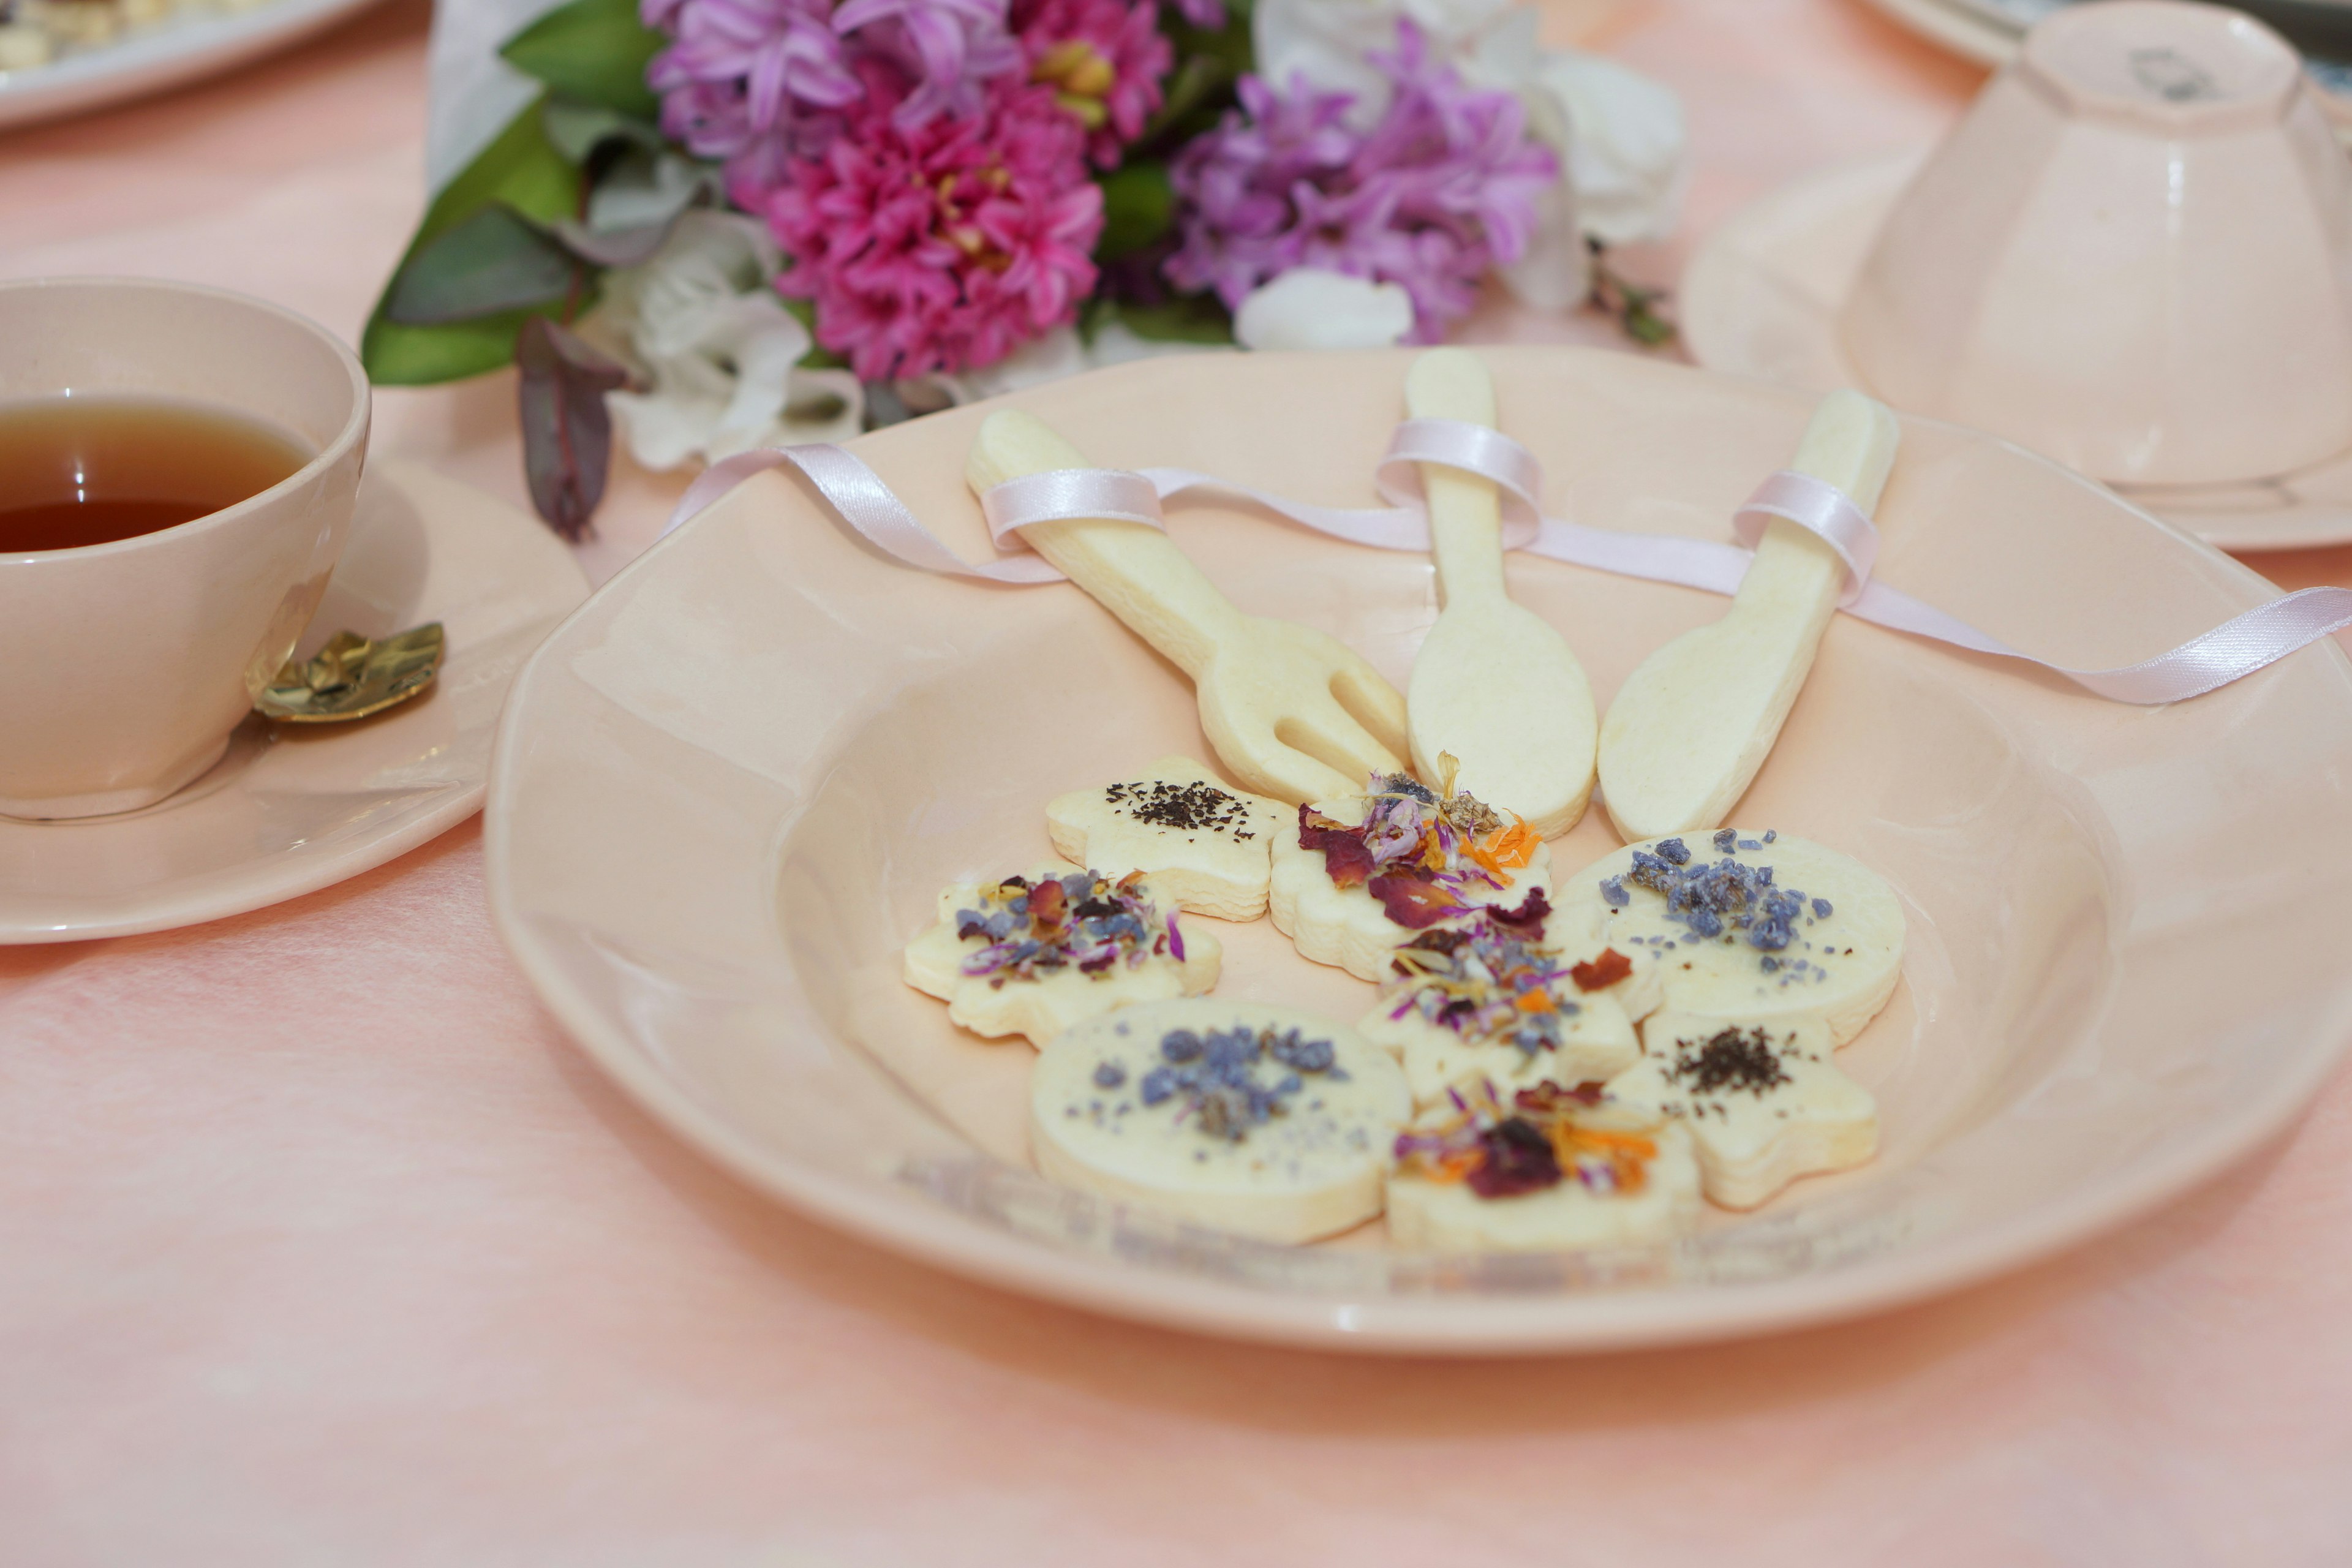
<point x="178" y="467"/>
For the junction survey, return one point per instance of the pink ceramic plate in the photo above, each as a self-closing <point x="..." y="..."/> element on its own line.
<point x="156" y="58"/>
<point x="727" y="790"/>
<point x="1761" y="298"/>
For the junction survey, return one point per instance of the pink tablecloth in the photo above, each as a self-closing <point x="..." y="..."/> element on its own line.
<point x="320" y="1244"/>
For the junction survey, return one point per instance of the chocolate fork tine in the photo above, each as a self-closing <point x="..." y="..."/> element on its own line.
<point x="1264" y="685"/>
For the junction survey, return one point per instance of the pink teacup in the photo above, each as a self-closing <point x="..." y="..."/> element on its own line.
<point x="2133" y="255"/>
<point x="128" y="663"/>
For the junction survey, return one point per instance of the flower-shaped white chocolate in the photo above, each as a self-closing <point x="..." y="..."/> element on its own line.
<point x="1763" y="927"/>
<point x="1259" y="1120"/>
<point x="1348" y="926"/>
<point x="1207" y="847"/>
<point x="1478" y="1000"/>
<point x="1041" y="1001"/>
<point x="1764" y="1101"/>
<point x="1596" y="1043"/>
<point x="1570" y="1214"/>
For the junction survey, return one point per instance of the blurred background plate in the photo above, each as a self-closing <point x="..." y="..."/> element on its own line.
<point x="160" y="56"/>
<point x="1988" y="31"/>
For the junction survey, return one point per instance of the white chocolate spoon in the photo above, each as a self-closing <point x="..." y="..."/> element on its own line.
<point x="1494" y="686"/>
<point x="1294" y="713"/>
<point x="1696" y="719"/>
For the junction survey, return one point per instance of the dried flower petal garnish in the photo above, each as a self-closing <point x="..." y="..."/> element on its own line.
<point x="1217" y="1075"/>
<point x="1547" y="1135"/>
<point x="1487" y="981"/>
<point x="352" y="677"/>
<point x="1083" y="920"/>
<point x="1418" y="850"/>
<point x="1715" y="900"/>
<point x="1600" y="972"/>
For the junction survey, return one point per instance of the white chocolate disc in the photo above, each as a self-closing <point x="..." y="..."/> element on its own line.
<point x="1347" y="927"/>
<point x="1839" y="954"/>
<point x="1766" y="1103"/>
<point x="1041" y="1005"/>
<point x="1165" y="1106"/>
<point x="1205" y="846"/>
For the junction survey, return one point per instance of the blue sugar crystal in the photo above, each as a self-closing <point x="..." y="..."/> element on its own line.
<point x="1109" y="1075"/>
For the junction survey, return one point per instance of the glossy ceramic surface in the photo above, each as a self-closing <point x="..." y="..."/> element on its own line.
<point x="1988" y="32"/>
<point x="2134" y="253"/>
<point x="294" y="807"/>
<point x="157" y="59"/>
<point x="728" y="789"/>
<point x="124" y="666"/>
<point x="1986" y="39"/>
<point x="1761" y="298"/>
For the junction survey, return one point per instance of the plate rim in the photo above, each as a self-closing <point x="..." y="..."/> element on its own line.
<point x="158" y="61"/>
<point x="872" y="1211"/>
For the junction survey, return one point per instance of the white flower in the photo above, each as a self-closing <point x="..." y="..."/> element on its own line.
<point x="1491" y="42"/>
<point x="1308" y="308"/>
<point x="1619" y="136"/>
<point x="1059" y="353"/>
<point x="1628" y="150"/>
<point x="1116" y="343"/>
<point x="699" y="322"/>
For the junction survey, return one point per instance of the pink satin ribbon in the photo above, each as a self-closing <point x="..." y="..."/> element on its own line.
<point x="2236" y="649"/>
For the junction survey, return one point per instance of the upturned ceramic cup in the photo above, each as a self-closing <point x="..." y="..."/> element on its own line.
<point x="2133" y="255"/>
<point x="124" y="666"/>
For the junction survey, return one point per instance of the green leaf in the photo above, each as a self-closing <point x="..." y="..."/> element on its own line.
<point x="1138" y="207"/>
<point x="818" y="357"/>
<point x="1195" y="319"/>
<point x="594" y="51"/>
<point x="496" y="260"/>
<point x="522" y="169"/>
<point x="567" y="431"/>
<point x="577" y="130"/>
<point x="1209" y="62"/>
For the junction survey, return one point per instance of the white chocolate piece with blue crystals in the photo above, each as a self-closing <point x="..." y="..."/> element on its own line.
<point x="1206" y="846"/>
<point x="1766" y="1103"/>
<point x="1747" y="925"/>
<point x="1263" y="1120"/>
<point x="1004" y="968"/>
<point x="1348" y="926"/>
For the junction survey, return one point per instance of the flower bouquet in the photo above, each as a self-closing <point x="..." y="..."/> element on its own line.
<point x="721" y="224"/>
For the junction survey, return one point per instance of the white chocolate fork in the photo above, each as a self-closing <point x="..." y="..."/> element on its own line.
<point x="1696" y="719"/>
<point x="1294" y="713"/>
<point x="1494" y="685"/>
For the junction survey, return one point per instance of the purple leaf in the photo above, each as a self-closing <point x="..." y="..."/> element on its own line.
<point x="567" y="436"/>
